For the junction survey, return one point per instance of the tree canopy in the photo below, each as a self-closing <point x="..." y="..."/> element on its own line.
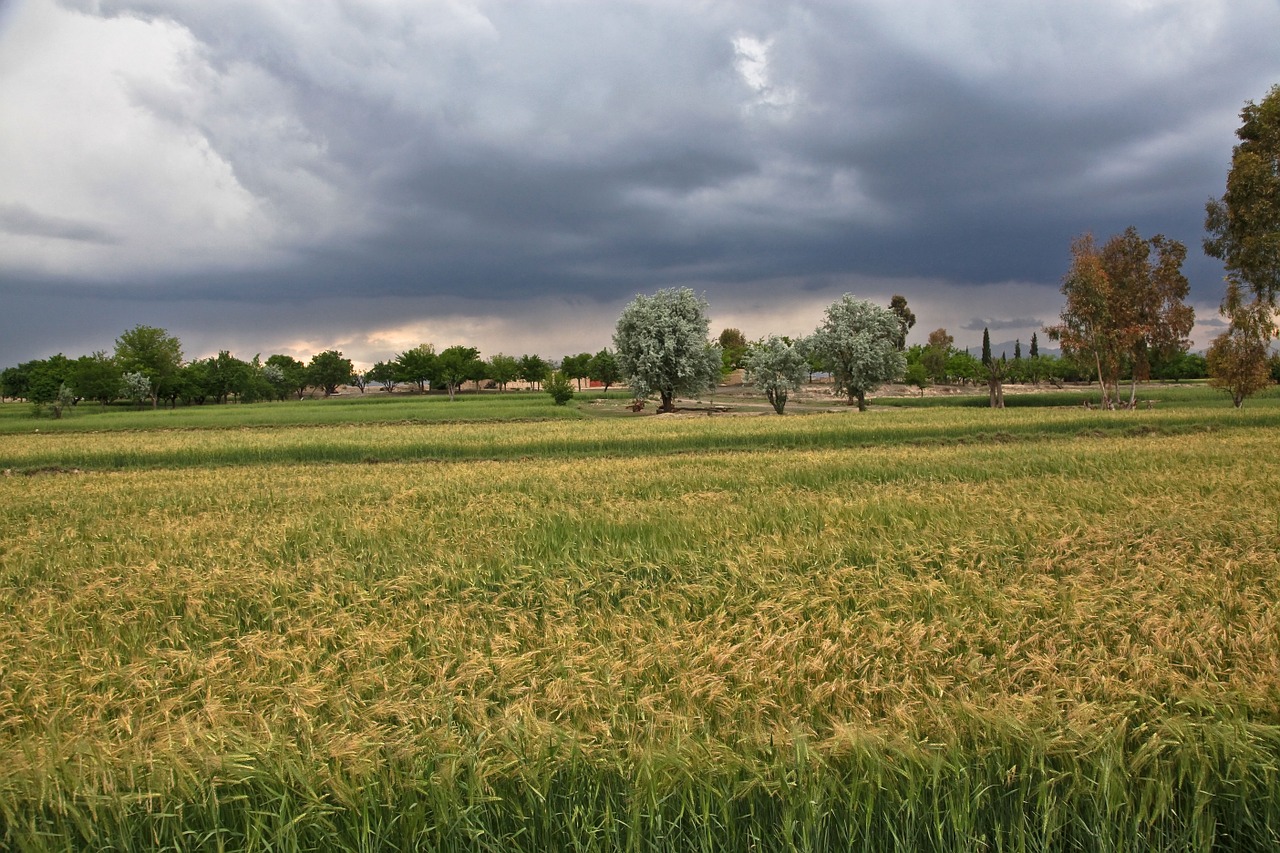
<point x="1122" y="307"/>
<point x="935" y="355"/>
<point x="858" y="342"/>
<point x="733" y="347"/>
<point x="96" y="377"/>
<point x="328" y="370"/>
<point x="1244" y="225"/>
<point x="662" y="347"/>
<point x="416" y="365"/>
<point x="906" y="318"/>
<point x="456" y="365"/>
<point x="1244" y="233"/>
<point x="1237" y="358"/>
<point x="386" y="374"/>
<point x="502" y="369"/>
<point x="287" y="374"/>
<point x="576" y="367"/>
<point x="777" y="368"/>
<point x="604" y="369"/>
<point x="155" y="354"/>
<point x="533" y="369"/>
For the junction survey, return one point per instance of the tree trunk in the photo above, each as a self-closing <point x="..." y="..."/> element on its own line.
<point x="668" y="401"/>
<point x="1106" y="400"/>
<point x="995" y="391"/>
<point x="862" y="400"/>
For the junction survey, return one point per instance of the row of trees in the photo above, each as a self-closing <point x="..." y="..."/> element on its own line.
<point x="939" y="362"/>
<point x="1125" y="314"/>
<point x="663" y="348"/>
<point x="147" y="365"/>
<point x="424" y="368"/>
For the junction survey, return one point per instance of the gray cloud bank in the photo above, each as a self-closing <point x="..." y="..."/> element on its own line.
<point x="19" y="220"/>
<point x="308" y="174"/>
<point x="977" y="324"/>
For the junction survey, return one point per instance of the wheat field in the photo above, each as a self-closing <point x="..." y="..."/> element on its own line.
<point x="754" y="634"/>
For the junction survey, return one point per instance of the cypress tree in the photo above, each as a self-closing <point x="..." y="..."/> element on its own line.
<point x="986" y="347"/>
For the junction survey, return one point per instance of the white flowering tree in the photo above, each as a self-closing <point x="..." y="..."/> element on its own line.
<point x="135" y="386"/>
<point x="858" y="341"/>
<point x="777" y="368"/>
<point x="663" y="348"/>
<point x="276" y="378"/>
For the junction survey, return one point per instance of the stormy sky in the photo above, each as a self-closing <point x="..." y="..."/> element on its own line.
<point x="296" y="175"/>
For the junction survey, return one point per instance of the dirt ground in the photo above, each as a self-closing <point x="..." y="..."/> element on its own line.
<point x="736" y="399"/>
<point x="744" y="400"/>
<point x="739" y="399"/>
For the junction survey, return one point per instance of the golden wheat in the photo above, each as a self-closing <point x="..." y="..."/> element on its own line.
<point x="158" y="626"/>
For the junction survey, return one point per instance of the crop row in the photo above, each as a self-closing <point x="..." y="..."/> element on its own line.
<point x="593" y="438"/>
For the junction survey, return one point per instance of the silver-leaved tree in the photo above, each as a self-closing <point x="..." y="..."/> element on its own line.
<point x="858" y="342"/>
<point x="777" y="368"/>
<point x="662" y="346"/>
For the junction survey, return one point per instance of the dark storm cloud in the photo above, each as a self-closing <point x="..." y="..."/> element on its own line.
<point x="519" y="151"/>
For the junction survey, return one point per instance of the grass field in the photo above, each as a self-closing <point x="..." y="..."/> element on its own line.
<point x="371" y="407"/>
<point x="932" y="628"/>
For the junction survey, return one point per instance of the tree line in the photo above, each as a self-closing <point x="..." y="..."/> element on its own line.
<point x="147" y="367"/>
<point x="663" y="347"/>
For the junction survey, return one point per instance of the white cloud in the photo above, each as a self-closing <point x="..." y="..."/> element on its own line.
<point x="91" y="151"/>
<point x="752" y="63"/>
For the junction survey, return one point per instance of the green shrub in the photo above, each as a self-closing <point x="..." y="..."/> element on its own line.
<point x="560" y="388"/>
